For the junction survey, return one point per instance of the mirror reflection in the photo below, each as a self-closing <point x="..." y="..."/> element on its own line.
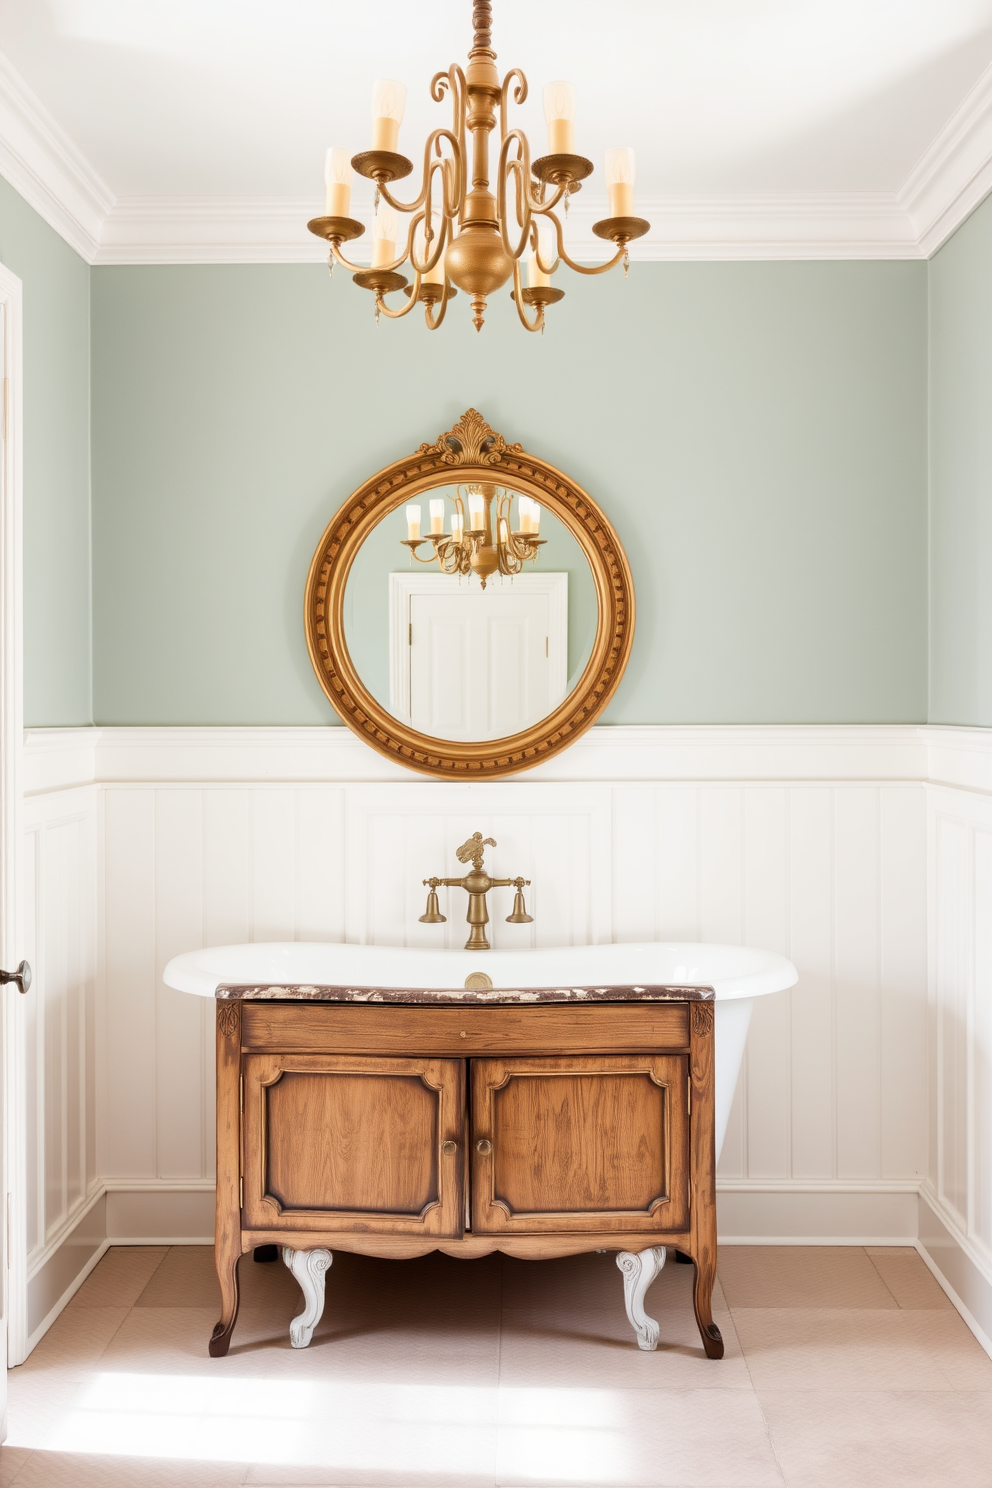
<point x="470" y="613"/>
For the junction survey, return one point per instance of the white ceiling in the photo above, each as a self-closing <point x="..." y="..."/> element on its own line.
<point x="808" y="119"/>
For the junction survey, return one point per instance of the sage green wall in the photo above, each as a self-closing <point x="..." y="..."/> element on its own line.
<point x="961" y="475"/>
<point x="56" y="464"/>
<point x="757" y="432"/>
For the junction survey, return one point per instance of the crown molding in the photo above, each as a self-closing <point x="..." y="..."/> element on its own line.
<point x="186" y="230"/>
<point x="954" y="175"/>
<point x="43" y="165"/>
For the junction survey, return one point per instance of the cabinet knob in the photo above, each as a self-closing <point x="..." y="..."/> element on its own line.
<point x="483" y="1145"/>
<point x="449" y="1148"/>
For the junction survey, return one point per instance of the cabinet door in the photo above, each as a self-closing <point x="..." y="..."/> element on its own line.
<point x="580" y="1144"/>
<point x="350" y="1143"/>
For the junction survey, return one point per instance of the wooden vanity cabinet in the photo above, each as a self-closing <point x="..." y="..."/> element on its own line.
<point x="394" y="1130"/>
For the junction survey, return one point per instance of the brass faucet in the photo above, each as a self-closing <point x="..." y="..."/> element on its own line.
<point x="477" y="885"/>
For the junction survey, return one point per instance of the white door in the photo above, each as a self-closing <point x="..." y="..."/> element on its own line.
<point x="481" y="664"/>
<point x="13" y="1284"/>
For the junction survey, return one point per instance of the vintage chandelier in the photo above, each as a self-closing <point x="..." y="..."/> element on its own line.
<point x="488" y="544"/>
<point x="460" y="236"/>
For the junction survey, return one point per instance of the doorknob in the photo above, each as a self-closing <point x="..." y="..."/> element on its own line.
<point x="449" y="1148"/>
<point x="22" y="976"/>
<point x="483" y="1145"/>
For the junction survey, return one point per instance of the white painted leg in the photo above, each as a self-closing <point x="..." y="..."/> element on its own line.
<point x="639" y="1271"/>
<point x="309" y="1267"/>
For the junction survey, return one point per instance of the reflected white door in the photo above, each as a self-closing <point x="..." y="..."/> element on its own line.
<point x="478" y="664"/>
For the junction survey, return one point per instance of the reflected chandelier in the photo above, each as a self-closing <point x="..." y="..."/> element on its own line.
<point x="488" y="544"/>
<point x="460" y="235"/>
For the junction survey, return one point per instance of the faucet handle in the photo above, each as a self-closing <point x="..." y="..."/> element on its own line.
<point x="520" y="915"/>
<point x="432" y="915"/>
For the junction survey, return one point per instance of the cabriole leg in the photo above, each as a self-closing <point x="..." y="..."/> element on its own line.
<point x="227" y="1260"/>
<point x="310" y="1268"/>
<point x="702" y="1301"/>
<point x="639" y="1271"/>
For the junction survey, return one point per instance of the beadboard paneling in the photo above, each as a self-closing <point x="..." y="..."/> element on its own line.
<point x="831" y="874"/>
<point x="960" y="852"/>
<point x="59" y="907"/>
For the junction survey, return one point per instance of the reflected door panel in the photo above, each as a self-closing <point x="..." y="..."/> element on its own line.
<point x="479" y="665"/>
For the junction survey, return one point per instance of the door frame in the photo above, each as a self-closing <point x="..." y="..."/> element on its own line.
<point x="13" y="1156"/>
<point x="403" y="586"/>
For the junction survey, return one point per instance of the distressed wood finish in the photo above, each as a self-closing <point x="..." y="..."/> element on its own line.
<point x="461" y="1032"/>
<point x="228" y="1243"/>
<point x="354" y="1143"/>
<point x="587" y="1143"/>
<point x="355" y="1133"/>
<point x="703" y="1217"/>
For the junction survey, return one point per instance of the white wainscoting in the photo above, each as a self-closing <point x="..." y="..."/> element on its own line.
<point x="811" y="841"/>
<point x="806" y="840"/>
<point x="956" y="1201"/>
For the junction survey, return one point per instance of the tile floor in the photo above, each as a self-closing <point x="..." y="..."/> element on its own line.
<point x="845" y="1367"/>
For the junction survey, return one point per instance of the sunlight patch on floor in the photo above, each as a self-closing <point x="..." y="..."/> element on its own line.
<point x="571" y="1434"/>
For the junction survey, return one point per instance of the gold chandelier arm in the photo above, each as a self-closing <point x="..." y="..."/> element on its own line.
<point x="584" y="268"/>
<point x="519" y="96"/>
<point x="433" y="144"/>
<point x="518" y="168"/>
<point x="454" y="79"/>
<point x="383" y="309"/>
<point x="518" y="300"/>
<point x="353" y="268"/>
<point x="433" y="321"/>
<point x="432" y="261"/>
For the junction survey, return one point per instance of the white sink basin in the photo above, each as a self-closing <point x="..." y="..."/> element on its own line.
<point x="737" y="974"/>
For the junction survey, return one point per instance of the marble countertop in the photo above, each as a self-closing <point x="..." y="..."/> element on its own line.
<point x="459" y="995"/>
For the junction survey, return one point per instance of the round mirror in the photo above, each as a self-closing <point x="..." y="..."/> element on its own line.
<point x="469" y="610"/>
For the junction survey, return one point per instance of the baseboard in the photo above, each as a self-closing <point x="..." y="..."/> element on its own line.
<point x="962" y="1273"/>
<point x="58" y="1277"/>
<point x="824" y="1214"/>
<point x="156" y="1215"/>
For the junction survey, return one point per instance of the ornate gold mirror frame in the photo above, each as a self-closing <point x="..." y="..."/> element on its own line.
<point x="472" y="451"/>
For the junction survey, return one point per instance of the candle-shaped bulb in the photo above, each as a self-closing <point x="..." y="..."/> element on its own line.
<point x="412" y="522"/>
<point x="523" y="513"/>
<point x="388" y="103"/>
<point x="559" y="110"/>
<point x="457" y="526"/>
<point x="337" y="180"/>
<point x="536" y="277"/>
<point x="476" y="510"/>
<point x="620" y="181"/>
<point x="504" y="531"/>
<point x="535" y="518"/>
<point x="385" y="231"/>
<point x="437" y="515"/>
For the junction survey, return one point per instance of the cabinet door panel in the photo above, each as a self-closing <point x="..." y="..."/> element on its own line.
<point x="582" y="1143"/>
<point x="354" y="1143"/>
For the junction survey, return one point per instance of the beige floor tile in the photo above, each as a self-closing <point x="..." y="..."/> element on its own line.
<point x="585" y="1280"/>
<point x="908" y="1279"/>
<point x="607" y="1438"/>
<point x="563" y="1341"/>
<point x="80" y="1470"/>
<point x="12" y="1459"/>
<point x="74" y="1342"/>
<point x="121" y="1276"/>
<point x="843" y="1349"/>
<point x="801" y="1276"/>
<point x="185" y="1278"/>
<point x="174" y="1341"/>
<point x="878" y="1439"/>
